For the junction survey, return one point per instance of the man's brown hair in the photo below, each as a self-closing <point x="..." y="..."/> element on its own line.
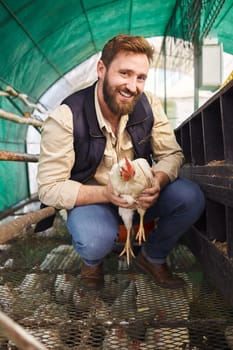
<point x="126" y="43"/>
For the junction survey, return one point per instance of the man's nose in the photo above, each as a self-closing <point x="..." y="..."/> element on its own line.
<point x="132" y="84"/>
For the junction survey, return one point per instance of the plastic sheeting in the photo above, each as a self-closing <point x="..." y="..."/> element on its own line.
<point x="41" y="42"/>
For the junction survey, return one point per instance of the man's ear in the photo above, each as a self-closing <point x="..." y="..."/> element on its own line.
<point x="101" y="69"/>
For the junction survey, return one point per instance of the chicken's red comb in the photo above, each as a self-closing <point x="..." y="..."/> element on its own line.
<point x="128" y="164"/>
<point x="127" y="172"/>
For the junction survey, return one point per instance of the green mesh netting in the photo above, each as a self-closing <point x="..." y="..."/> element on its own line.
<point x="13" y="175"/>
<point x="42" y="41"/>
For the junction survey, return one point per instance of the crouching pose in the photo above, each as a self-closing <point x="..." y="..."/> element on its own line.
<point x="97" y="127"/>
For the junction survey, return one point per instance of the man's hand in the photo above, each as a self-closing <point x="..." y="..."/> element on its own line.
<point x="117" y="200"/>
<point x="150" y="195"/>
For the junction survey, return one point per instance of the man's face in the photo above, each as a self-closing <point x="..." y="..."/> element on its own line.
<point x="123" y="82"/>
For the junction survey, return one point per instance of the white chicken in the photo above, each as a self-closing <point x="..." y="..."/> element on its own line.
<point x="129" y="179"/>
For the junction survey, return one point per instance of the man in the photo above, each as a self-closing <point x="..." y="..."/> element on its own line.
<point x="95" y="128"/>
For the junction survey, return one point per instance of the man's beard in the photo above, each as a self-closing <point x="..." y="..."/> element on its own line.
<point x="118" y="108"/>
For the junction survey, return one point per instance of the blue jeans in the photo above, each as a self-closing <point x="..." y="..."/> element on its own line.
<point x="94" y="228"/>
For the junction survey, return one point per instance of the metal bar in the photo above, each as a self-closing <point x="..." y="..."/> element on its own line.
<point x="89" y="26"/>
<point x="18" y="206"/>
<point x="130" y="16"/>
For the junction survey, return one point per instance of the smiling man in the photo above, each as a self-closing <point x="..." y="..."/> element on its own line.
<point x="97" y="127"/>
<point x="120" y="86"/>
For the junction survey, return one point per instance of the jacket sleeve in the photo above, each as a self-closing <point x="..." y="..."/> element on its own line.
<point x="167" y="153"/>
<point x="56" y="161"/>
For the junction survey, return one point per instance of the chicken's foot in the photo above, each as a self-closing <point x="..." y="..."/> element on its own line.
<point x="141" y="232"/>
<point x="127" y="248"/>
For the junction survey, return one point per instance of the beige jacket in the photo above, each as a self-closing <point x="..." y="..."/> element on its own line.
<point x="57" y="153"/>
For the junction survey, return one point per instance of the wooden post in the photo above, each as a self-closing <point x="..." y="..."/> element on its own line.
<point x="21" y="204"/>
<point x="17" y="119"/>
<point x="13" y="228"/>
<point x="20" y="157"/>
<point x="18" y="335"/>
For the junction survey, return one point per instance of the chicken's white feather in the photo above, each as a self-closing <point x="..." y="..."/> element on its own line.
<point x="130" y="189"/>
<point x="127" y="216"/>
<point x="129" y="199"/>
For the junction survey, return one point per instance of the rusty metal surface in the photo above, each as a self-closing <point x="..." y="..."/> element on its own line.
<point x="39" y="289"/>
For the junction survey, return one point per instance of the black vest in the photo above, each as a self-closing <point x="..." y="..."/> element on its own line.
<point x="89" y="141"/>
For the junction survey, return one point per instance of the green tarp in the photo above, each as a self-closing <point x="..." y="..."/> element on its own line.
<point x="43" y="40"/>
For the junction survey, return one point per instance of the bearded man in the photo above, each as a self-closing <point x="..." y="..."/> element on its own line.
<point x="97" y="127"/>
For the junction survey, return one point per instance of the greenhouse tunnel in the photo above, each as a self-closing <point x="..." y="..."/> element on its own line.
<point x="50" y="50"/>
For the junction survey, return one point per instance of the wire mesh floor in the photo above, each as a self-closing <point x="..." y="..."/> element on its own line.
<point x="39" y="289"/>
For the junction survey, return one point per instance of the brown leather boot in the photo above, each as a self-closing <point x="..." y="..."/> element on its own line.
<point x="92" y="277"/>
<point x="160" y="273"/>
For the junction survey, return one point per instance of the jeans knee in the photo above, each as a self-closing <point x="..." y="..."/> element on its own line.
<point x="193" y="198"/>
<point x="93" y="229"/>
<point x="95" y="248"/>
